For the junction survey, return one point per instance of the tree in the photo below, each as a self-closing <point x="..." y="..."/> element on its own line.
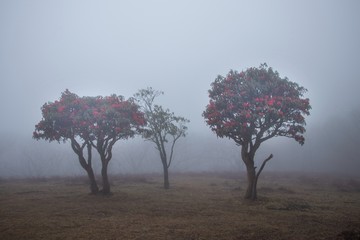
<point x="253" y="106"/>
<point x="162" y="127"/>
<point x="111" y="119"/>
<point x="62" y="122"/>
<point x="89" y="122"/>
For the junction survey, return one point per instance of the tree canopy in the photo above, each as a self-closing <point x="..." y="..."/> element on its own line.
<point x="256" y="105"/>
<point x="88" y="118"/>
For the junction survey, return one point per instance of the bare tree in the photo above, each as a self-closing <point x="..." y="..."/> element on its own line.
<point x="163" y="128"/>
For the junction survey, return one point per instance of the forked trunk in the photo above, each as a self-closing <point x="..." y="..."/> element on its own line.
<point x="105" y="180"/>
<point x="253" y="176"/>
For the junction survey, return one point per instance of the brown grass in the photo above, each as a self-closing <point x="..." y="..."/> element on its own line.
<point x="198" y="206"/>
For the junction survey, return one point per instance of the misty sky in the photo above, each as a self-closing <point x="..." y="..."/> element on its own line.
<point x="104" y="47"/>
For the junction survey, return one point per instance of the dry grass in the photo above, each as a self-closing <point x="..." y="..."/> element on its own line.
<point x="198" y="206"/>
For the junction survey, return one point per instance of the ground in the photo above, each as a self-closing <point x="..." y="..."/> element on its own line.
<point x="198" y="206"/>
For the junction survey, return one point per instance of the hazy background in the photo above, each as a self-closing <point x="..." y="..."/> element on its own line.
<point x="104" y="47"/>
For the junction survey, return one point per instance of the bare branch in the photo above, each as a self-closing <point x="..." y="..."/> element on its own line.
<point x="263" y="165"/>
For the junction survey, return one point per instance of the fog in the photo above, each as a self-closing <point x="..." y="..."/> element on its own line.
<point x="102" y="47"/>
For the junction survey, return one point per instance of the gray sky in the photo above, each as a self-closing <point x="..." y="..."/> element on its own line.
<point x="104" y="47"/>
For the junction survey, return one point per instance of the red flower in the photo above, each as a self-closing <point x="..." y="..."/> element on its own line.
<point x="61" y="109"/>
<point x="246" y="104"/>
<point x="271" y="102"/>
<point x="96" y="113"/>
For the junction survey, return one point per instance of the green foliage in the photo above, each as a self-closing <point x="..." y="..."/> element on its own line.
<point x="161" y="123"/>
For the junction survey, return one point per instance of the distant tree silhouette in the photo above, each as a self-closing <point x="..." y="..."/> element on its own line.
<point x="162" y="127"/>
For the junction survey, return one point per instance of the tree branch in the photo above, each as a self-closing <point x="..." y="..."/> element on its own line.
<point x="172" y="148"/>
<point x="273" y="134"/>
<point x="89" y="153"/>
<point x="75" y="146"/>
<point x="163" y="151"/>
<point x="263" y="165"/>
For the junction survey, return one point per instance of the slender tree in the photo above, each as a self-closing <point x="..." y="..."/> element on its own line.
<point x="163" y="128"/>
<point x="253" y="106"/>
<point x="90" y="122"/>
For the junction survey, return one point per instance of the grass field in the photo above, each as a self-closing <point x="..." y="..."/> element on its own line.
<point x="198" y="206"/>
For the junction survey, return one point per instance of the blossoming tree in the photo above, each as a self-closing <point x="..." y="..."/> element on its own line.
<point x="90" y="122"/>
<point x="110" y="119"/>
<point x="253" y="106"/>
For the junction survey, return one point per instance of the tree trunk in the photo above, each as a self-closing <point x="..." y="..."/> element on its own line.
<point x="251" y="192"/>
<point x="94" y="189"/>
<point x="93" y="185"/>
<point x="166" y="177"/>
<point x="105" y="180"/>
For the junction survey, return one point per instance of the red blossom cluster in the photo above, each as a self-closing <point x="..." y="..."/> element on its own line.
<point x="256" y="101"/>
<point x="88" y="118"/>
